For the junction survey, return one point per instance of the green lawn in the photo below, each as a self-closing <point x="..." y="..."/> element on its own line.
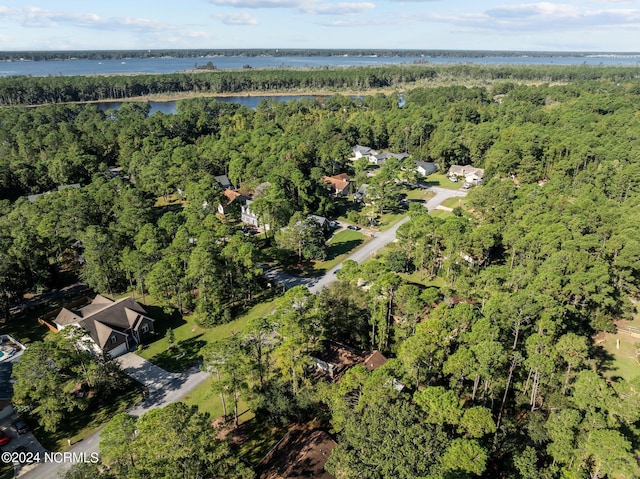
<point x="622" y="362"/>
<point x="209" y="401"/>
<point x="442" y="181"/>
<point x="437" y="282"/>
<point x="340" y="246"/>
<point x="387" y="220"/>
<point x="419" y="195"/>
<point x="261" y="438"/>
<point x="190" y="338"/>
<point x="440" y="213"/>
<point x="454" y="202"/>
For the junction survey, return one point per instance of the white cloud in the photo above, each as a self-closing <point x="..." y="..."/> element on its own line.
<point x="543" y="16"/>
<point x="236" y="18"/>
<point x="312" y="7"/>
<point x="339" y="8"/>
<point x="34" y="17"/>
<point x="260" y="3"/>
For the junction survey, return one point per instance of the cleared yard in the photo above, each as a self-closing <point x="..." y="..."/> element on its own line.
<point x="620" y="362"/>
<point x="190" y="338"/>
<point x="455" y="202"/>
<point x="419" y="195"/>
<point x="443" y="181"/>
<point x="339" y="247"/>
<point x="209" y="401"/>
<point x="440" y="213"/>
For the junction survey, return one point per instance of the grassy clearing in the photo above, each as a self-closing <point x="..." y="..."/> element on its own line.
<point x="209" y="401"/>
<point x="620" y="362"/>
<point x="339" y="247"/>
<point x="440" y="213"/>
<point x="455" y="202"/>
<point x="169" y="200"/>
<point x="191" y="337"/>
<point x="261" y="438"/>
<point x="81" y="424"/>
<point x="387" y="220"/>
<point x="443" y="181"/>
<point x="437" y="282"/>
<point x="419" y="195"/>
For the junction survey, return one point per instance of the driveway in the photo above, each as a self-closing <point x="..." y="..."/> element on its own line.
<point x="163" y="388"/>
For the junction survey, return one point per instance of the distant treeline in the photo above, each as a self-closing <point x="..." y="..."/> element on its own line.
<point x="61" y="89"/>
<point x="270" y="52"/>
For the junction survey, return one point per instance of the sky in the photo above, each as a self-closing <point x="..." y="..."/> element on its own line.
<point x="570" y="25"/>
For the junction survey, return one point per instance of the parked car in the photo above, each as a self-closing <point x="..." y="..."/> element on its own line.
<point x="20" y="426"/>
<point x="454" y="179"/>
<point x="4" y="439"/>
<point x="466" y="186"/>
<point x="353" y="227"/>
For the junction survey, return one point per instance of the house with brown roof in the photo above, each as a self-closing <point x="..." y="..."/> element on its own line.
<point x="232" y="199"/>
<point x="374" y="360"/>
<point x="339" y="185"/>
<point x="111" y="327"/>
<point x="333" y="359"/>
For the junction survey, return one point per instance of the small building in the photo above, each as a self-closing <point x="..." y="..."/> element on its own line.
<point x="381" y="158"/>
<point x="333" y="359"/>
<point x="223" y="180"/>
<point x="111" y="327"/>
<point x="324" y="223"/>
<point x="231" y="200"/>
<point x="360" y="151"/>
<point x="426" y="168"/>
<point x="374" y="360"/>
<point x="361" y="193"/>
<point x="339" y="185"/>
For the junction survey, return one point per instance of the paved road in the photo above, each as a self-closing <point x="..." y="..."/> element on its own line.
<point x="37" y="301"/>
<point x="163" y="388"/>
<point x="380" y="240"/>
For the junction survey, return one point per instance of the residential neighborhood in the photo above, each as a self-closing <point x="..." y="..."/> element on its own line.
<point x="401" y="284"/>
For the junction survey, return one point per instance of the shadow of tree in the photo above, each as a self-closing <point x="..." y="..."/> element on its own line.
<point x="181" y="357"/>
<point x="342" y="247"/>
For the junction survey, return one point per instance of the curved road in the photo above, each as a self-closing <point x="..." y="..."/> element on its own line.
<point x="166" y="388"/>
<point x="361" y="254"/>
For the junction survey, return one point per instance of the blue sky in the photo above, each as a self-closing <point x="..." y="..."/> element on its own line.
<point x="586" y="25"/>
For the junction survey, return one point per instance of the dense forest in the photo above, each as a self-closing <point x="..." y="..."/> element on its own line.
<point x="260" y="52"/>
<point x="500" y="375"/>
<point x="23" y="90"/>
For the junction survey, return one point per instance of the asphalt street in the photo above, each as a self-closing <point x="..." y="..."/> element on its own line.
<point x="380" y="240"/>
<point x="165" y="388"/>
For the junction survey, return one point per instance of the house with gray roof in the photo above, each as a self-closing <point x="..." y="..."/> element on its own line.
<point x="471" y="174"/>
<point x="111" y="327"/>
<point x="426" y="168"/>
<point x="223" y="180"/>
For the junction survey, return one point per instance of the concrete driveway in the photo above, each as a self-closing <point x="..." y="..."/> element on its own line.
<point x="145" y="372"/>
<point x="163" y="388"/>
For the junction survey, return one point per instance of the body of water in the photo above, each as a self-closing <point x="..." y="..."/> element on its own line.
<point x="174" y="65"/>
